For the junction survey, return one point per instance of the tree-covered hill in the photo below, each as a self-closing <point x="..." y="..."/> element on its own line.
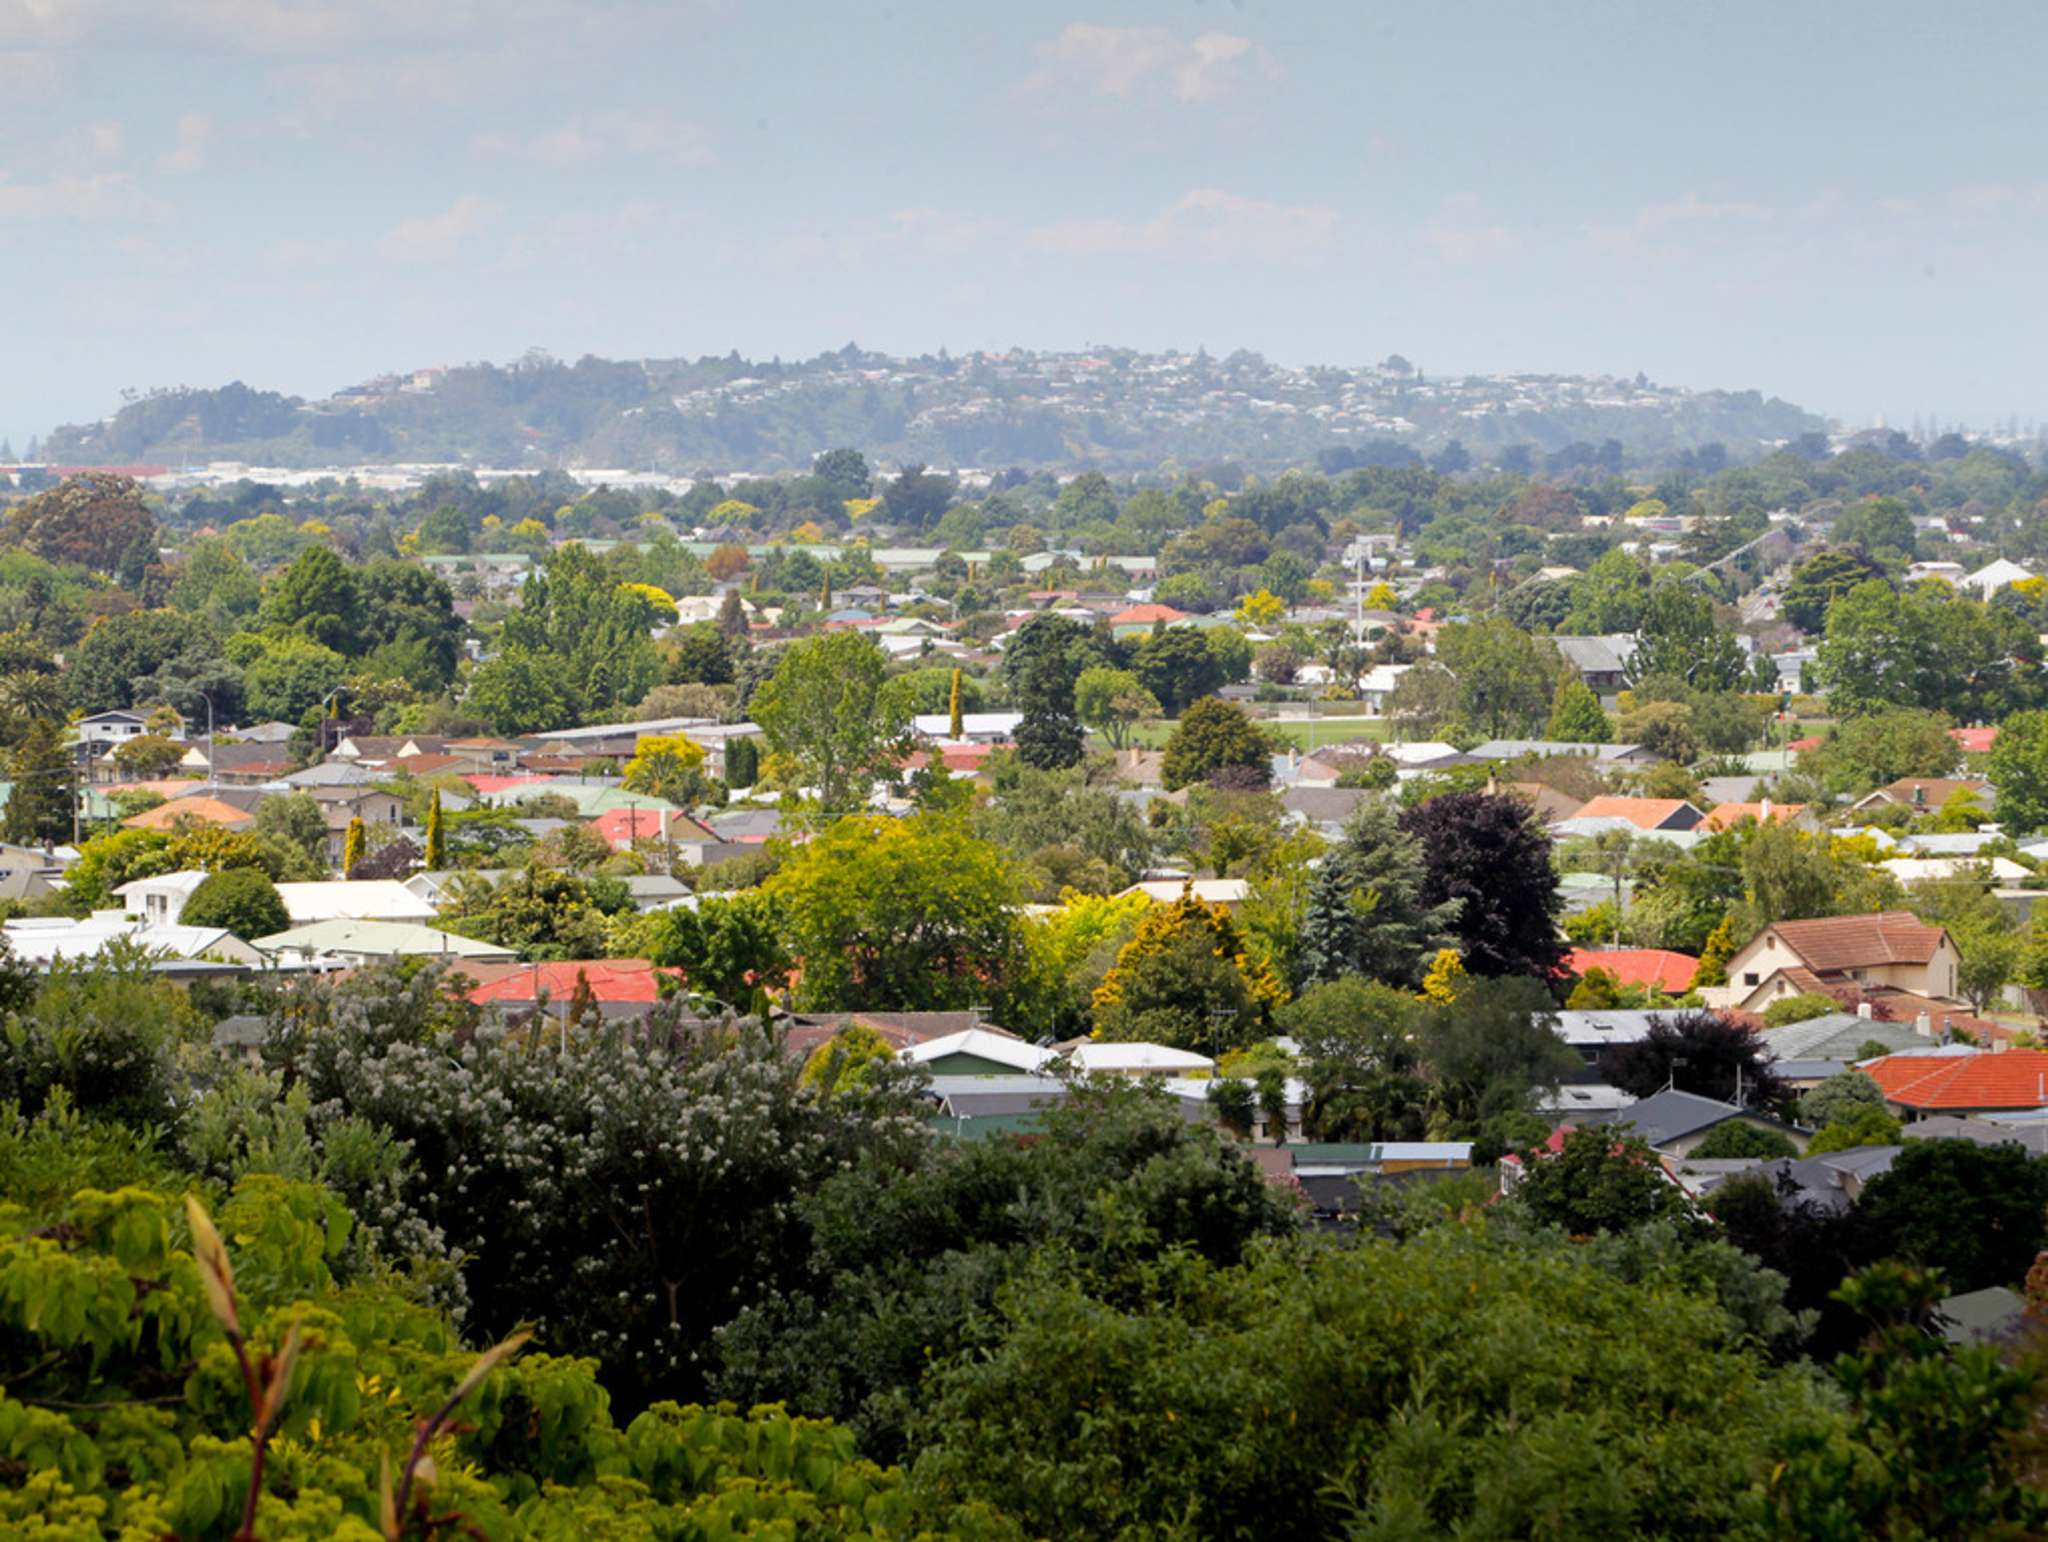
<point x="1114" y="409"/>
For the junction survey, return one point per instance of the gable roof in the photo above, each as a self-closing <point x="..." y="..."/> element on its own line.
<point x="205" y="810"/>
<point x="1672" y="1115"/>
<point x="1838" y="1036"/>
<point x="1831" y="943"/>
<point x="1145" y="615"/>
<point x="1644" y="813"/>
<point x="2013" y="1078"/>
<point x="1726" y="816"/>
<point x="1658" y="968"/>
<point x="1001" y="1049"/>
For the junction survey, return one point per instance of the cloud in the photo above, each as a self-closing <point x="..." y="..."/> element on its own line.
<point x="107" y="195"/>
<point x="1144" y="64"/>
<point x="292" y="254"/>
<point x="654" y="133"/>
<point x="28" y="75"/>
<point x="435" y="237"/>
<point x="1206" y="224"/>
<point x="188" y="151"/>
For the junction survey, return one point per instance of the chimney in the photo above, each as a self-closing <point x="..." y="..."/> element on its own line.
<point x="1919" y="794"/>
<point x="1924" y="1025"/>
<point x="1863" y="1010"/>
<point x="1764" y="814"/>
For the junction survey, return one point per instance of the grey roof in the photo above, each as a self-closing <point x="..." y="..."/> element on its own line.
<point x="1671" y="1115"/>
<point x="1322" y="805"/>
<point x="967" y="1097"/>
<point x="1727" y="789"/>
<point x="1838" y="1035"/>
<point x="1601" y="1029"/>
<point x="1514" y="749"/>
<point x="333" y="773"/>
<point x="1981" y="1316"/>
<point x="2033" y="1135"/>
<point x="1826" y="1180"/>
<point x="1601" y="655"/>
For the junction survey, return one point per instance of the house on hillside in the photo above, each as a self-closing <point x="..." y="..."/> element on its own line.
<point x="1600" y="661"/>
<point x="1962" y="1081"/>
<point x="1924" y="793"/>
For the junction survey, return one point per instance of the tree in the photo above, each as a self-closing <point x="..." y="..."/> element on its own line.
<point x="295" y="820"/>
<point x="436" y="853"/>
<point x="91" y="519"/>
<point x="1598" y="1181"/>
<point x="1185" y="979"/>
<point x="1819" y="581"/>
<point x="241" y="900"/>
<point x="668" y="766"/>
<point x="146" y="655"/>
<point x="408" y="613"/>
<point x="845" y="472"/>
<point x="540" y="913"/>
<point x="1799" y="1008"/>
<point x="956" y="723"/>
<point x="522" y="692"/>
<point x="1177" y="667"/>
<point x="1041" y="662"/>
<point x="701" y="655"/>
<point x="829" y="707"/>
<point x="1721" y="946"/>
<point x="1845" y="1095"/>
<point x="1990" y="951"/>
<point x="1981" y="1212"/>
<point x="1875" y="748"/>
<point x="1262" y="609"/>
<point x="355" y="845"/>
<point x="1487" y="852"/>
<point x="917" y="497"/>
<point x="730" y="949"/>
<point x="148" y="755"/>
<point x="1737" y="1138"/>
<point x="1576" y="716"/>
<point x="1366" y="1078"/>
<point x="1698" y="1052"/>
<point x="1114" y="702"/>
<point x="742" y="762"/>
<point x="1214" y="735"/>
<point x="1677" y="638"/>
<point x="2019" y="770"/>
<point x="1857" y="1127"/>
<point x="1491" y="1050"/>
<point x="317" y="597"/>
<point x="1365" y="911"/>
<point x="732" y="615"/>
<point x="39" y="804"/>
<point x="900" y="914"/>
<point x="1506" y="678"/>
<point x="291" y="677"/>
<point x="1877" y="525"/>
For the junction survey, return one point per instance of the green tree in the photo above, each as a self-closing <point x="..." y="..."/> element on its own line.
<point x="541" y="913"/>
<point x="1598" y="1180"/>
<point x="1214" y="735"/>
<point x="729" y="949"/>
<point x="1876" y="748"/>
<point x="355" y="845"/>
<point x="1845" y="1095"/>
<point x="1041" y="662"/>
<point x="1801" y="1008"/>
<point x="1739" y="1139"/>
<point x="1185" y="979"/>
<point x="1576" y="716"/>
<point x="1878" y="525"/>
<point x="43" y="784"/>
<point x="1677" y="638"/>
<point x="291" y="677"/>
<point x="436" y="854"/>
<point x="90" y="519"/>
<point x="829" y="708"/>
<point x="294" y="819"/>
<point x="1114" y="702"/>
<point x="1506" y="678"/>
<point x="522" y="692"/>
<point x="702" y="654"/>
<point x="242" y="900"/>
<point x="1981" y="1210"/>
<point x="1365" y="911"/>
<point x="900" y="914"/>
<point x="1819" y="581"/>
<point x="150" y="655"/>
<point x="1178" y="667"/>
<point x="2019" y="770"/>
<point x="1609" y="596"/>
<point x="317" y="597"/>
<point x="1861" y="1127"/>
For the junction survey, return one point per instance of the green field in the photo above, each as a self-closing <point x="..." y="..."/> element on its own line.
<point x="1311" y="734"/>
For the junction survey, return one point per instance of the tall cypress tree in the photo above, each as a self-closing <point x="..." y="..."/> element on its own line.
<point x="437" y="851"/>
<point x="39" y="807"/>
<point x="1366" y="913"/>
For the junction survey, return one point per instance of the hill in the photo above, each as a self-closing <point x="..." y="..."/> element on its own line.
<point x="1113" y="409"/>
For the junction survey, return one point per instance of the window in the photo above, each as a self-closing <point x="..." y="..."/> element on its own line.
<point x="1749" y="979"/>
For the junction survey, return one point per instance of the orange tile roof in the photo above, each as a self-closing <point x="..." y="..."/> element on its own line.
<point x="1659" y="968"/>
<point x="1726" y="816"/>
<point x="613" y="979"/>
<point x="1145" y="615"/>
<point x="1851" y="942"/>
<point x="1975" y="741"/>
<point x="1644" y="813"/>
<point x="2013" y="1078"/>
<point x="205" y="811"/>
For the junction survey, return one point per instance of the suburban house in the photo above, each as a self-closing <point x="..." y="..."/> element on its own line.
<point x="104" y="730"/>
<point x="1968" y="1081"/>
<point x="1649" y="815"/>
<point x="1726" y="816"/>
<point x="1924" y="792"/>
<point x="977" y="1052"/>
<point x="1675" y="1123"/>
<point x="1602" y="662"/>
<point x="1850" y="957"/>
<point x="370" y="899"/>
<point x="1227" y="892"/>
<point x="228" y="808"/>
<point x="1657" y="969"/>
<point x="367" y="942"/>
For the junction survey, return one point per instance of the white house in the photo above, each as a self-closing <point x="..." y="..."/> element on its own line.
<point x="368" y="899"/>
<point x="160" y="900"/>
<point x="103" y="730"/>
<point x="1994" y="576"/>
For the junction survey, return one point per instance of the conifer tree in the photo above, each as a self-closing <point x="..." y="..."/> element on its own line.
<point x="955" y="726"/>
<point x="39" y="805"/>
<point x="1365" y="912"/>
<point x="437" y="850"/>
<point x="354" y="845"/>
<point x="1576" y="716"/>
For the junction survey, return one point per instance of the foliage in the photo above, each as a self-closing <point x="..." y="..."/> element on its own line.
<point x="1114" y="702"/>
<point x="1598" y="1180"/>
<point x="1841" y="1096"/>
<point x="1042" y="663"/>
<point x="1738" y="1138"/>
<point x="242" y="900"/>
<point x="1798" y="1009"/>
<point x="102" y="1037"/>
<point x="1848" y="1130"/>
<point x="1488" y="853"/>
<point x="39" y="801"/>
<point x="828" y="707"/>
<point x="728" y="949"/>
<point x="1365" y="913"/>
<point x="668" y="766"/>
<point x="1506" y="678"/>
<point x="1877" y="748"/>
<point x="1978" y="1213"/>
<point x="1698" y="1052"/>
<point x="1576" y="716"/>
<point x="905" y="914"/>
<point x="2019" y="770"/>
<point x="539" y="913"/>
<point x="91" y="519"/>
<point x="1185" y="980"/>
<point x="1214" y="735"/>
<point x="1676" y="638"/>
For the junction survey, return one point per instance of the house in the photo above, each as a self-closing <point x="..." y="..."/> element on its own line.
<point x="1726" y="816"/>
<point x="1892" y="951"/>
<point x="160" y="901"/>
<point x="1910" y="870"/>
<point x="621" y="987"/>
<point x="368" y="942"/>
<point x="1657" y="969"/>
<point x="1994" y="576"/>
<point x="975" y="727"/>
<point x="483" y="755"/>
<point x="1805" y="1054"/>
<point x="1147" y="616"/>
<point x="102" y="731"/>
<point x="1975" y="741"/>
<point x="45" y="940"/>
<point x="1103" y="1059"/>
<point x="977" y="1052"/>
<point x="1972" y="1081"/>
<point x="1592" y="1033"/>
<point x="1227" y="892"/>
<point x="342" y="806"/>
<point x="1322" y="808"/>
<point x="1675" y="1123"/>
<point x="622" y="828"/>
<point x="1543" y="749"/>
<point x="1546" y="802"/>
<point x="237" y="765"/>
<point x="1833" y="1181"/>
<point x="219" y="807"/>
<point x="370" y="899"/>
<point x="1924" y="792"/>
<point x="1649" y="815"/>
<point x="1600" y="661"/>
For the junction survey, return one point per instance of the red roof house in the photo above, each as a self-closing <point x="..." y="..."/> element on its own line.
<point x="1145" y="615"/>
<point x="1654" y="968"/>
<point x="621" y="827"/>
<point x="1986" y="1082"/>
<point x="1975" y="741"/>
<point x="611" y="980"/>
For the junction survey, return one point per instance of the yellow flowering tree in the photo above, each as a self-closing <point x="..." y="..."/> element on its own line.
<point x="1264" y="608"/>
<point x="1446" y="978"/>
<point x="1186" y="979"/>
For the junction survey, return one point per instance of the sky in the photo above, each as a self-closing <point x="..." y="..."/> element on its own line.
<point x="1842" y="204"/>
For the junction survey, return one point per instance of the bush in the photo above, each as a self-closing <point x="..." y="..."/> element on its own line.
<point x="1737" y="1138"/>
<point x="1798" y="1009"/>
<point x="241" y="900"/>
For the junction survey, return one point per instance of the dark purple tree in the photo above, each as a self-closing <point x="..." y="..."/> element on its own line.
<point x="1700" y="1052"/>
<point x="1487" y="852"/>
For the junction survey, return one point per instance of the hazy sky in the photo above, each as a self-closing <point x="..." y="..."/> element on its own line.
<point x="1844" y="204"/>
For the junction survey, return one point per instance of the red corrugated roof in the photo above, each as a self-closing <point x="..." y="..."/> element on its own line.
<point x="1644" y="813"/>
<point x="1657" y="968"/>
<point x="620" y="827"/>
<point x="2014" y="1078"/>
